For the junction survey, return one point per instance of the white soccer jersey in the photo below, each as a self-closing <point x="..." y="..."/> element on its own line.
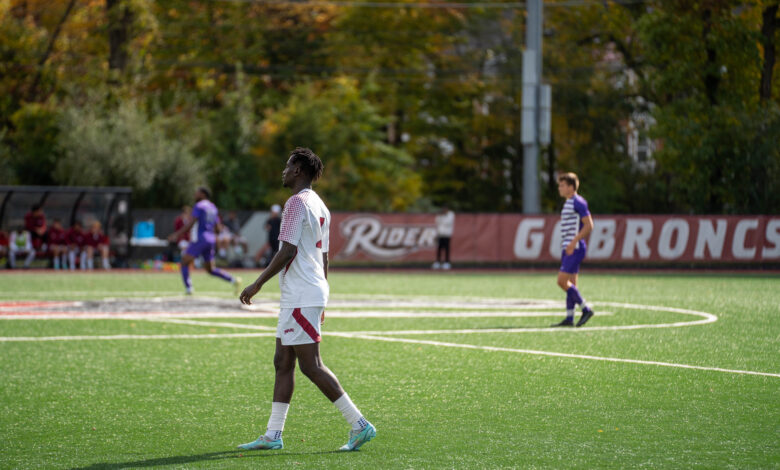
<point x="305" y="224"/>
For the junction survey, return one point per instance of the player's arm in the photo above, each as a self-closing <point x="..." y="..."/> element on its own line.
<point x="587" y="227"/>
<point x="282" y="258"/>
<point x="325" y="264"/>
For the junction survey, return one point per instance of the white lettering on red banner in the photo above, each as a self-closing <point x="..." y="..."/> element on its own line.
<point x="615" y="239"/>
<point x="369" y="235"/>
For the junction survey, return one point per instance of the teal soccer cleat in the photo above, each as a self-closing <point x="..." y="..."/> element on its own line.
<point x="358" y="438"/>
<point x="263" y="443"/>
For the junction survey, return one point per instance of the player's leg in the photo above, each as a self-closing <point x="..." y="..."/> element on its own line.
<point x="186" y="263"/>
<point x="284" y="384"/>
<point x="313" y="367"/>
<point x="211" y="268"/>
<point x="306" y="337"/>
<point x="565" y="281"/>
<point x="315" y="370"/>
<point x="446" y="241"/>
<point x="571" y="267"/>
<point x="566" y="276"/>
<point x="587" y="311"/>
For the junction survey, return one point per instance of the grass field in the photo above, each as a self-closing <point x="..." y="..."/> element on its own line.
<point x="456" y="370"/>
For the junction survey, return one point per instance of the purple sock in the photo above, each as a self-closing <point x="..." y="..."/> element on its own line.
<point x="185" y="275"/>
<point x="575" y="295"/>
<point x="221" y="274"/>
<point x="569" y="300"/>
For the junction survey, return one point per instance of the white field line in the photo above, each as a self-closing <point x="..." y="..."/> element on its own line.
<point x="466" y="331"/>
<point x="552" y="354"/>
<point x="208" y="323"/>
<point x="706" y="318"/>
<point x="328" y="314"/>
<point x="11" y="339"/>
<point x="131" y="316"/>
<point x="143" y="294"/>
<point x="358" y="335"/>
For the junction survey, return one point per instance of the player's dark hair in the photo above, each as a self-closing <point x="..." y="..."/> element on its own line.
<point x="309" y="161"/>
<point x="570" y="179"/>
<point x="206" y="191"/>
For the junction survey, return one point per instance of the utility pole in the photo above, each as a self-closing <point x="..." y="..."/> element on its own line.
<point x="536" y="108"/>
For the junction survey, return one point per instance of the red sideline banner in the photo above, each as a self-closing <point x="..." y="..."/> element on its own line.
<point x="517" y="238"/>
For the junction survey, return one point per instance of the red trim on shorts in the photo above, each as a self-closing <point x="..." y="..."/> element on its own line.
<point x="307" y="327"/>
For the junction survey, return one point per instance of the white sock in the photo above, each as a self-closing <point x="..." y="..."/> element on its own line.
<point x="569" y="313"/>
<point x="106" y="265"/>
<point x="72" y="259"/>
<point x="350" y="412"/>
<point x="83" y="261"/>
<point x="585" y="305"/>
<point x="90" y="263"/>
<point x="277" y="419"/>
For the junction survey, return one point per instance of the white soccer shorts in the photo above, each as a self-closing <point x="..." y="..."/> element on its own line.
<point x="299" y="325"/>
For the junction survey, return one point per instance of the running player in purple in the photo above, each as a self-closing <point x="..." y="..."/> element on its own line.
<point x="576" y="224"/>
<point x="205" y="214"/>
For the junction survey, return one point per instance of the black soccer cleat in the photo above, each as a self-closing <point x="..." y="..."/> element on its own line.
<point x="586" y="314"/>
<point x="565" y="322"/>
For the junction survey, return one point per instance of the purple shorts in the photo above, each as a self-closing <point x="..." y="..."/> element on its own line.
<point x="201" y="248"/>
<point x="571" y="263"/>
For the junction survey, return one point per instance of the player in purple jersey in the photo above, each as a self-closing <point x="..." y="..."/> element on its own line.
<point x="576" y="224"/>
<point x="205" y="214"/>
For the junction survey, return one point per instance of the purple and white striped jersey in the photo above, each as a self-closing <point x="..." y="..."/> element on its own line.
<point x="574" y="210"/>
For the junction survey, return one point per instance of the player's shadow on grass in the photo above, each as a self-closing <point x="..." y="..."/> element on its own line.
<point x="211" y="456"/>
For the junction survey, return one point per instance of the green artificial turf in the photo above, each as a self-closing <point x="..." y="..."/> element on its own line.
<point x="186" y="402"/>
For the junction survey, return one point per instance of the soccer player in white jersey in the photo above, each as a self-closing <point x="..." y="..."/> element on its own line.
<point x="576" y="224"/>
<point x="303" y="262"/>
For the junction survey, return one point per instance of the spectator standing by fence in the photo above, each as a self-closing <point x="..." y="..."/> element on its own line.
<point x="267" y="252"/>
<point x="445" y="226"/>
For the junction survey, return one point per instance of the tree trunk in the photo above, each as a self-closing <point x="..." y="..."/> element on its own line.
<point x="768" y="28"/>
<point x="119" y="20"/>
<point x="711" y="71"/>
<point x="49" y="48"/>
